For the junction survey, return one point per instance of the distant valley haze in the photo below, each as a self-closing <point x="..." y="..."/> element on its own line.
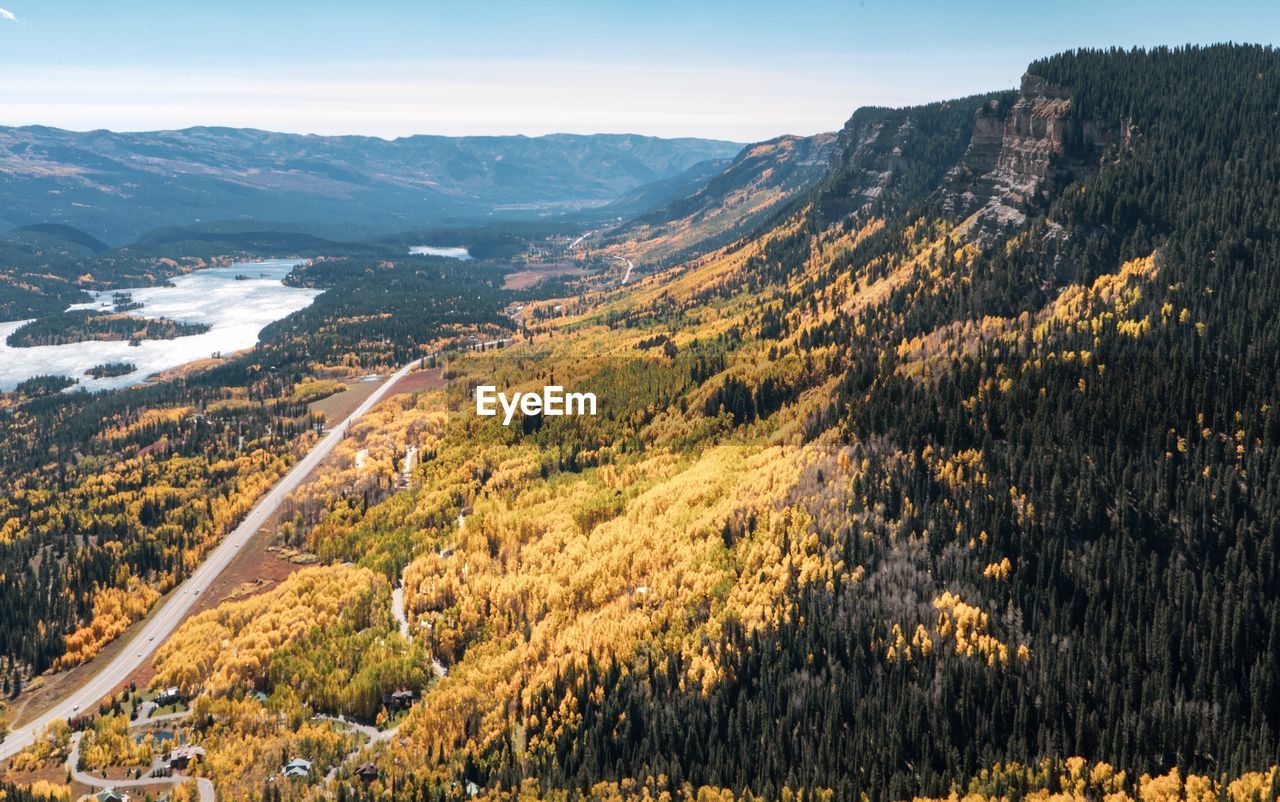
<point x="118" y="186"/>
<point x="139" y="115"/>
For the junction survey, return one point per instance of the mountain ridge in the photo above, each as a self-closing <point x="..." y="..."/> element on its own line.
<point x="115" y="186"/>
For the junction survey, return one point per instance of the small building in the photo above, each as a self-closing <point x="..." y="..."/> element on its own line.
<point x="111" y="795"/>
<point x="184" y="756"/>
<point x="399" y="700"/>
<point x="299" y="768"/>
<point x="367" y="772"/>
<point x="168" y="696"/>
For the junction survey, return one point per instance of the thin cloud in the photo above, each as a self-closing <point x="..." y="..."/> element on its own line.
<point x="7" y="14"/>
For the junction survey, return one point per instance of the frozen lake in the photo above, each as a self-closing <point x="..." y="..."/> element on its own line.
<point x="433" y="250"/>
<point x="236" y="312"/>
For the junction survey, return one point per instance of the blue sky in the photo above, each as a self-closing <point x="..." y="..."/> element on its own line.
<point x="742" y="70"/>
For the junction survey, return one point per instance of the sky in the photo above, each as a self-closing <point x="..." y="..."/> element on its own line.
<point x="744" y="70"/>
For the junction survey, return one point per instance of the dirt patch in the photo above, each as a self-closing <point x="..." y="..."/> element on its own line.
<point x="419" y="381"/>
<point x="524" y="279"/>
<point x="338" y="406"/>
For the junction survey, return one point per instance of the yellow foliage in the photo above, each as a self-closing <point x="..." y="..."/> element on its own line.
<point x="998" y="570"/>
<point x="152" y="418"/>
<point x="108" y="743"/>
<point x="1252" y="786"/>
<point x="305" y="392"/>
<point x="114" y="609"/>
<point x="531" y="586"/>
<point x="1080" y="782"/>
<point x="966" y="627"/>
<point x="246" y="742"/>
<point x="900" y="648"/>
<point x="1108" y="303"/>
<point x="44" y="789"/>
<point x="50" y="748"/>
<point x="230" y="645"/>
<point x="185" y="792"/>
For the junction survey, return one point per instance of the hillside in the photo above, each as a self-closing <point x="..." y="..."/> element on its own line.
<point x="729" y="202"/>
<point x="115" y="186"/>
<point x="956" y="475"/>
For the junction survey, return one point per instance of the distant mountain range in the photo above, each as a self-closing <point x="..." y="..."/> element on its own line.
<point x="116" y="186"/>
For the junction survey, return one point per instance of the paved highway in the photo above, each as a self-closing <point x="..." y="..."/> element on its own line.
<point x="165" y="620"/>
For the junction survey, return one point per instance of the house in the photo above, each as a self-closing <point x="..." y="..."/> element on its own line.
<point x="168" y="696"/>
<point x="184" y="756"/>
<point x="111" y="795"/>
<point x="367" y="772"/>
<point x="298" y="767"/>
<point x="399" y="700"/>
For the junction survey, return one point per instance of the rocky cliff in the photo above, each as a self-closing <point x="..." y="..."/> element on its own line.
<point x="1018" y="143"/>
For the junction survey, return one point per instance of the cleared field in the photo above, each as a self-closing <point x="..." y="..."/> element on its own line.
<point x="341" y="404"/>
<point x="418" y="381"/>
<point x="524" y="279"/>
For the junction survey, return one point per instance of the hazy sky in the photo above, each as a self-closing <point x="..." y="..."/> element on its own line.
<point x="743" y="70"/>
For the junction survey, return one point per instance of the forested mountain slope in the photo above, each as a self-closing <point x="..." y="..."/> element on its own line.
<point x="961" y="477"/>
<point x="730" y="202"/>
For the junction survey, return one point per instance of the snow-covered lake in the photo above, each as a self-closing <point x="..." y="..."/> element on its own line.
<point x="236" y="312"/>
<point x="433" y="250"/>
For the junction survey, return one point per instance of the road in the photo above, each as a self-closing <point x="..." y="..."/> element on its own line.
<point x="630" y="264"/>
<point x="375" y="736"/>
<point x="397" y="610"/>
<point x="203" y="785"/>
<point x="171" y="612"/>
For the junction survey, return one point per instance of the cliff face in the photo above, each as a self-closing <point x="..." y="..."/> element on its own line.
<point x="990" y="160"/>
<point x="872" y="149"/>
<point x="1015" y="148"/>
<point x="892" y="158"/>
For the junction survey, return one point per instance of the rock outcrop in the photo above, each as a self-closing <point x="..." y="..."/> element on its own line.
<point x="1017" y="146"/>
<point x="891" y="158"/>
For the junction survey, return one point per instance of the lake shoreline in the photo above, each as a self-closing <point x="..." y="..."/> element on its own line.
<point x="236" y="301"/>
